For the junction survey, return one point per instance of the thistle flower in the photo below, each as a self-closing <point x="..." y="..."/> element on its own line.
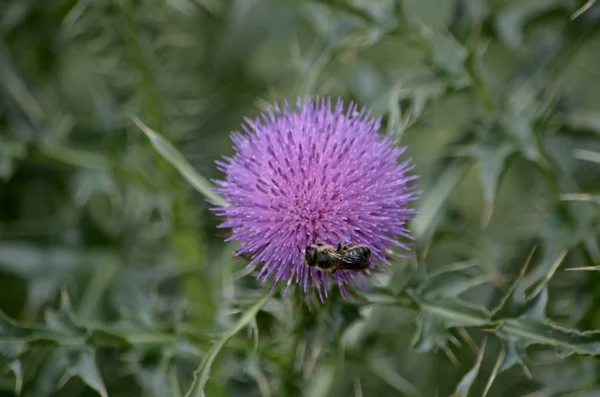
<point x="316" y="173"/>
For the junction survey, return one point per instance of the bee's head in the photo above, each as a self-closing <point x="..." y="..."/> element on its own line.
<point x="310" y="255"/>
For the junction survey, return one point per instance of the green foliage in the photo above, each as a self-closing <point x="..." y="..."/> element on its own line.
<point x="171" y="154"/>
<point x="115" y="280"/>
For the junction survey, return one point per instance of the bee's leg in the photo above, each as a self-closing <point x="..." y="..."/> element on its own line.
<point x="345" y="242"/>
<point x="339" y="247"/>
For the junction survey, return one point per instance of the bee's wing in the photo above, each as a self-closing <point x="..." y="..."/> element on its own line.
<point x="351" y="262"/>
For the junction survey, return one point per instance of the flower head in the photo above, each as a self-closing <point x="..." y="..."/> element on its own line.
<point x="314" y="173"/>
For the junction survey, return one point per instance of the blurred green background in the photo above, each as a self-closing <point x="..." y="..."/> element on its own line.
<point x="115" y="281"/>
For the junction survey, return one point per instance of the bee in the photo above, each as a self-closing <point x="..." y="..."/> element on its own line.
<point x="330" y="259"/>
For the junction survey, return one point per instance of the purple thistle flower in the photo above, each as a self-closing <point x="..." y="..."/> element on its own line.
<point x="316" y="173"/>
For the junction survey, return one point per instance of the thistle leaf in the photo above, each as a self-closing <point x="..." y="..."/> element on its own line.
<point x="173" y="156"/>
<point x="202" y="373"/>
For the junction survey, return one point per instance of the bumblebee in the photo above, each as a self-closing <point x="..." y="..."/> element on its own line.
<point x="330" y="259"/>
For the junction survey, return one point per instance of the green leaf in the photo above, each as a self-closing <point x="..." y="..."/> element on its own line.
<point x="175" y="390"/>
<point x="581" y="197"/>
<point x="455" y="312"/>
<point x="381" y="298"/>
<point x="584" y="8"/>
<point x="403" y="274"/>
<point x="567" y="341"/>
<point x="434" y="200"/>
<point x="86" y="369"/>
<point x="453" y="280"/>
<point x="47" y="375"/>
<point x="449" y="56"/>
<point x="423" y="93"/>
<point x="202" y="373"/>
<point x="587" y="155"/>
<point x="76" y="158"/>
<point x="485" y="84"/>
<point x="9" y="327"/>
<point x="153" y="379"/>
<point x="439" y="315"/>
<point x="321" y="382"/>
<point x="63" y="320"/>
<point x="516" y="303"/>
<point x="173" y="156"/>
<point x="462" y="389"/>
<point x="10" y="152"/>
<point x="584" y="121"/>
<point x="397" y="122"/>
<point x="16" y="367"/>
<point x="107" y="338"/>
<point x="519" y="124"/>
<point x="252" y="367"/>
<point x="491" y="160"/>
<point x="515" y="354"/>
<point x="499" y="361"/>
<point x="384" y="370"/>
<point x="522" y="322"/>
<point x="511" y="21"/>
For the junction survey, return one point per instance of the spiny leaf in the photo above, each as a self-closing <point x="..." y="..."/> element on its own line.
<point x="523" y="322"/>
<point x="520" y="332"/>
<point x="154" y="380"/>
<point x="9" y="327"/>
<point x="75" y="157"/>
<point x="495" y="370"/>
<point x="381" y="298"/>
<point x="174" y="388"/>
<point x="321" y="382"/>
<point x="438" y="315"/>
<point x="431" y="334"/>
<point x="515" y="354"/>
<point x="584" y="121"/>
<point x="435" y="198"/>
<point x="449" y="56"/>
<point x="253" y="368"/>
<point x="491" y="160"/>
<point x="462" y="389"/>
<point x="519" y="119"/>
<point x="566" y="341"/>
<point x="422" y="94"/>
<point x="384" y="370"/>
<point x="397" y="122"/>
<point x="587" y="155"/>
<point x="453" y="280"/>
<point x="455" y="312"/>
<point x="584" y="268"/>
<point x="202" y="373"/>
<point x="580" y="197"/>
<point x="10" y="152"/>
<point x="511" y="22"/>
<point x="516" y="303"/>
<point x="588" y="4"/>
<point x="16" y="367"/>
<point x="106" y="338"/>
<point x="48" y="375"/>
<point x="15" y="339"/>
<point x="86" y="369"/>
<point x="543" y="282"/>
<point x="63" y="320"/>
<point x="172" y="155"/>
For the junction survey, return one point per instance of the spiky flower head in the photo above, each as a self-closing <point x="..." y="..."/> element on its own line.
<point x="314" y="173"/>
